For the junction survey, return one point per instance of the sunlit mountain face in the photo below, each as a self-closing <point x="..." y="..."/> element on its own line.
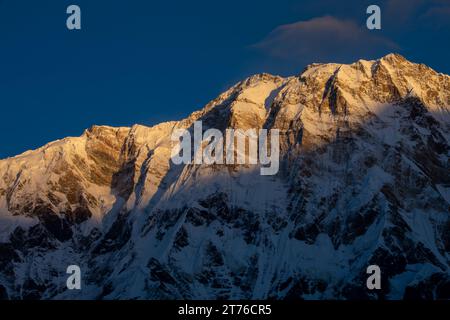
<point x="363" y="180"/>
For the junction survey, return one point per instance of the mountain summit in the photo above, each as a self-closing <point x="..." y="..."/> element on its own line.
<point x="364" y="180"/>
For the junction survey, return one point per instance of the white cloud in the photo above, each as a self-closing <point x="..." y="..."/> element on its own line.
<point x="324" y="39"/>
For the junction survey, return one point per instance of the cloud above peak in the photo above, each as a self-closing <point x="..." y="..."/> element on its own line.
<point x="324" y="39"/>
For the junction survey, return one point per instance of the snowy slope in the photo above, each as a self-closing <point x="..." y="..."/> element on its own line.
<point x="364" y="179"/>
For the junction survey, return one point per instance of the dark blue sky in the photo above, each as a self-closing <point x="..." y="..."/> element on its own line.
<point x="137" y="61"/>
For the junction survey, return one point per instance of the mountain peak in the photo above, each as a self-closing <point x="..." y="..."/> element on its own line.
<point x="364" y="151"/>
<point x="394" y="57"/>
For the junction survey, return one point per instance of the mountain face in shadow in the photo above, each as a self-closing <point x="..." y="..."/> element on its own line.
<point x="363" y="180"/>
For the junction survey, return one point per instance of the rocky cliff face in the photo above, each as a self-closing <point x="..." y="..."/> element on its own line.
<point x="364" y="179"/>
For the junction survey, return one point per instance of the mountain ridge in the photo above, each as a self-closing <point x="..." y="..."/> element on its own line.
<point x="336" y="66"/>
<point x="363" y="180"/>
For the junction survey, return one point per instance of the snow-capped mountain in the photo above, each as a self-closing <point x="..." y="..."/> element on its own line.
<point x="364" y="179"/>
